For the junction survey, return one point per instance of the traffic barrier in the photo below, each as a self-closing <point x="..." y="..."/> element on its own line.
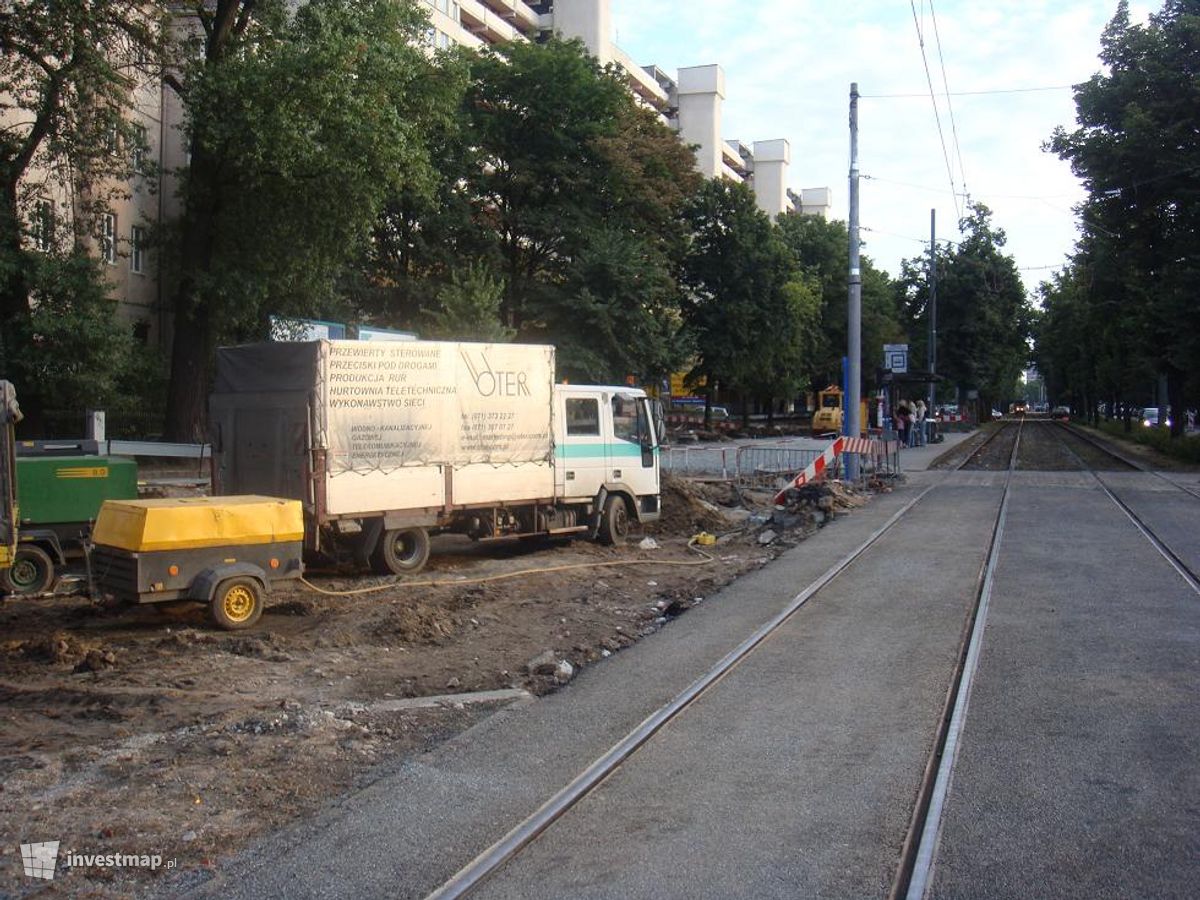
<point x="816" y="469"/>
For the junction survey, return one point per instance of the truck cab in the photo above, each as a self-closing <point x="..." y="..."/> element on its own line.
<point x="607" y="445"/>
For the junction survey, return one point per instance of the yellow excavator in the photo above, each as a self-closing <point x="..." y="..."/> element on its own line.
<point x="828" y="417"/>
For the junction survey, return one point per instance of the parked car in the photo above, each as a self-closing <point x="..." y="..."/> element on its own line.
<point x="1063" y="413"/>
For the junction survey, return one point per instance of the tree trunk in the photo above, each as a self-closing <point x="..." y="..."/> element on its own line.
<point x="1175" y="381"/>
<point x="194" y="338"/>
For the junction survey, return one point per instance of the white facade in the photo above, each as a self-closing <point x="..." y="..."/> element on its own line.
<point x="691" y="102"/>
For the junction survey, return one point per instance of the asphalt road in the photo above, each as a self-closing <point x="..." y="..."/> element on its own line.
<point x="795" y="775"/>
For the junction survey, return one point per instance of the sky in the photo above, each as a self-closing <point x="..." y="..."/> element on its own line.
<point x="788" y="69"/>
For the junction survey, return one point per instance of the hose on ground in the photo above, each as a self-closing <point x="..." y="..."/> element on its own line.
<point x="707" y="559"/>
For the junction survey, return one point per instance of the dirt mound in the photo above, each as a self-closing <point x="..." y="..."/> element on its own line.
<point x="58" y="648"/>
<point x="685" y="508"/>
<point x="417" y="623"/>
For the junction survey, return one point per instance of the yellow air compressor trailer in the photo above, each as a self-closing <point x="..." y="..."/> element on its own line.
<point x="223" y="551"/>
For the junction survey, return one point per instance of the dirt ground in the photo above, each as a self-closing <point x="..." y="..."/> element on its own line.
<point x="134" y="731"/>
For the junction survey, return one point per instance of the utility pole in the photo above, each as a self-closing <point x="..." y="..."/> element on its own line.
<point x="932" y="308"/>
<point x="854" y="321"/>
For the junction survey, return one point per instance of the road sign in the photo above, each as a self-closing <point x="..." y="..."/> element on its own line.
<point x="895" y="357"/>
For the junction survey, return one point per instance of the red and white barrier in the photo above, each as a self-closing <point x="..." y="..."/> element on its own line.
<point x="816" y="469"/>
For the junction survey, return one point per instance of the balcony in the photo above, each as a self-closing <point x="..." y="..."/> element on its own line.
<point x="486" y="24"/>
<point x="516" y="12"/>
<point x="640" y="81"/>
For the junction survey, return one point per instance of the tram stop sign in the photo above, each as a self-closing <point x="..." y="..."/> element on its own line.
<point x="895" y="358"/>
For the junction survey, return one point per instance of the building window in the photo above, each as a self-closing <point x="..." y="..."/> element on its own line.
<point x="43" y="225"/>
<point x="139" y="147"/>
<point x="108" y="239"/>
<point x="137" y="244"/>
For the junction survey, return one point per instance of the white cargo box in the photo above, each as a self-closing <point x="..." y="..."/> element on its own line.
<point x="355" y="428"/>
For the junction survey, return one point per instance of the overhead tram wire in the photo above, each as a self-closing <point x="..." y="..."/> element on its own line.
<point x="962" y="171"/>
<point x="937" y="115"/>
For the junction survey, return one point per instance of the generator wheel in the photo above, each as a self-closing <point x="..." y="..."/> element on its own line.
<point x="236" y="604"/>
<point x="401" y="551"/>
<point x="32" y="572"/>
<point x="614" y="524"/>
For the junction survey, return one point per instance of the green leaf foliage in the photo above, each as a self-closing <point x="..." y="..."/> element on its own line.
<point x="1133" y="276"/>
<point x="749" y="312"/>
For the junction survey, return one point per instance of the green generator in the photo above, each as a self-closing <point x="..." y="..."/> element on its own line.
<point x="58" y="499"/>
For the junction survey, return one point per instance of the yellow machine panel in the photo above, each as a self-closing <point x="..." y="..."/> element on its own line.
<point x="193" y="522"/>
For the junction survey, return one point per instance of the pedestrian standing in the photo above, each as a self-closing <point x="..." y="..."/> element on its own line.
<point x="919" y="422"/>
<point x="903" y="422"/>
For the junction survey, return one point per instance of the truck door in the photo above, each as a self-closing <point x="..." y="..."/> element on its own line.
<point x="632" y="457"/>
<point x="580" y="462"/>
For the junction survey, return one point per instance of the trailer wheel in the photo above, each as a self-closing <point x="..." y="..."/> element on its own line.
<point x="32" y="572"/>
<point x="401" y="551"/>
<point x="236" y="603"/>
<point x="614" y="524"/>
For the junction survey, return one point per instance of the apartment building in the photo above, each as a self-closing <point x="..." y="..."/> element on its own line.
<point x="690" y="102"/>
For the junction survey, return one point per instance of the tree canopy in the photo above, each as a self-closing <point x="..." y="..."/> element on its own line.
<point x="1129" y="292"/>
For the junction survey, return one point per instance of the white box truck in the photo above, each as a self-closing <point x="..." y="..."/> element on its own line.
<point x="387" y="443"/>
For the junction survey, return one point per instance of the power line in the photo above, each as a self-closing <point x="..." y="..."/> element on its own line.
<point x="984" y="93"/>
<point x="942" y="190"/>
<point x="949" y="106"/>
<point x="937" y="116"/>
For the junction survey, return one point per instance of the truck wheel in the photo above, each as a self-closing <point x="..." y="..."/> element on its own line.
<point x="401" y="551"/>
<point x="614" y="524"/>
<point x="237" y="603"/>
<point x="32" y="572"/>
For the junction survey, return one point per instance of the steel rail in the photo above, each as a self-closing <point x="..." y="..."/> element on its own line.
<point x="918" y="852"/>
<point x="1182" y="568"/>
<point x="523" y="834"/>
<point x="1133" y="463"/>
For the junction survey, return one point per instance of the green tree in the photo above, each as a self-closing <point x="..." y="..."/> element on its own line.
<point x="984" y="317"/>
<point x="468" y="308"/>
<point x="571" y="193"/>
<point x="749" y="313"/>
<point x="1138" y="152"/>
<point x="301" y="121"/>
<point x="821" y="249"/>
<point x="68" y="70"/>
<point x="70" y="352"/>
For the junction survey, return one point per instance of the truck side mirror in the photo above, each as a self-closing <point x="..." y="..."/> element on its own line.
<point x="659" y="418"/>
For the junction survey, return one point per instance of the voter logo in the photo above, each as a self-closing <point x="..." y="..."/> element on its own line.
<point x="40" y="859"/>
<point x="494" y="382"/>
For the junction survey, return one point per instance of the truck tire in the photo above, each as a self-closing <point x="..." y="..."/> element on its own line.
<point x="401" y="551"/>
<point x="236" y="603"/>
<point x="32" y="572"/>
<point x="614" y="524"/>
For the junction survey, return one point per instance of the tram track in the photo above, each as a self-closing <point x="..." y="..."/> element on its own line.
<point x="493" y="858"/>
<point x="1185" y="571"/>
<point x="920" y="844"/>
<point x="918" y="853"/>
